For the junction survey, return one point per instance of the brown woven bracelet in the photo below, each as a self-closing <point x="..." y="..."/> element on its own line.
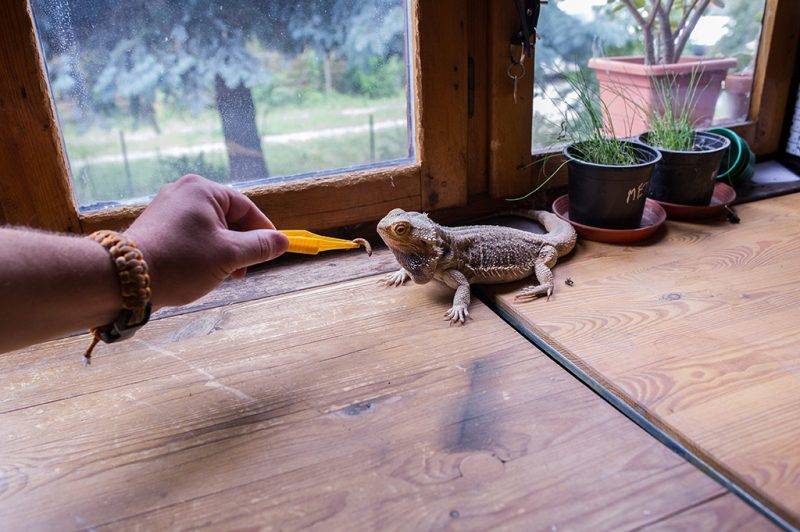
<point x="134" y="283"/>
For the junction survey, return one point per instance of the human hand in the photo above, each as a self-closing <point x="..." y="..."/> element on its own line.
<point x="195" y="233"/>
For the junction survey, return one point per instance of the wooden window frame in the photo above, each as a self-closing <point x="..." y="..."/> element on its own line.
<point x="35" y="185"/>
<point x="472" y="141"/>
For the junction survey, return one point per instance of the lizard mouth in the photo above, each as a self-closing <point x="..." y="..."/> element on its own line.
<point x="407" y="247"/>
<point x="391" y="241"/>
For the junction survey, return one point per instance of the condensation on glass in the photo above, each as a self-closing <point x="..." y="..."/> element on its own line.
<point x="573" y="32"/>
<point x="238" y="91"/>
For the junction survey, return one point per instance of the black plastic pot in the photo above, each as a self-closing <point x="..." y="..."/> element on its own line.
<point x="609" y="196"/>
<point x="687" y="177"/>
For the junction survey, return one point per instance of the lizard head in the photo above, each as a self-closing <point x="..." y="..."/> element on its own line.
<point x="408" y="232"/>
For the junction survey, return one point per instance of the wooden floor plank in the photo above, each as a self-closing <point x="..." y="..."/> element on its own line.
<point x="722" y="514"/>
<point x="698" y="332"/>
<point x="342" y="407"/>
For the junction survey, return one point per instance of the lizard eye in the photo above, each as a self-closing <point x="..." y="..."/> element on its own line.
<point x="400" y="228"/>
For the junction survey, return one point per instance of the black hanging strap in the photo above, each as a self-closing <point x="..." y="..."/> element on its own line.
<point x="528" y="11"/>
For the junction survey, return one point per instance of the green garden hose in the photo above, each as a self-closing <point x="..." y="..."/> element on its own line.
<point x="739" y="163"/>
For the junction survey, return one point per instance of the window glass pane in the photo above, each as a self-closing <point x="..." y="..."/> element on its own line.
<point x="603" y="41"/>
<point x="235" y="90"/>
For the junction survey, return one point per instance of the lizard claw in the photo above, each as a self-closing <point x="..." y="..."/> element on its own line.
<point x="534" y="292"/>
<point x="457" y="314"/>
<point x="395" y="278"/>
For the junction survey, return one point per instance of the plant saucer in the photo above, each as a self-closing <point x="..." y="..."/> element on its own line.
<point x="723" y="196"/>
<point x="652" y="219"/>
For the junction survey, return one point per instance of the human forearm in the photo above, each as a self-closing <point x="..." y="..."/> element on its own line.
<point x="51" y="285"/>
<point x="194" y="234"/>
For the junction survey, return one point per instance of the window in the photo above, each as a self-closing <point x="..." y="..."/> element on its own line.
<point x="240" y="92"/>
<point x="92" y="84"/>
<point x="606" y="38"/>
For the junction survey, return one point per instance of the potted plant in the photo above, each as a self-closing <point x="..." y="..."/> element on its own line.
<point x="665" y="26"/>
<point x="690" y="159"/>
<point x="608" y="177"/>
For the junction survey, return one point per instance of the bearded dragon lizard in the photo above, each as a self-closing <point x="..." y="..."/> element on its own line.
<point x="476" y="254"/>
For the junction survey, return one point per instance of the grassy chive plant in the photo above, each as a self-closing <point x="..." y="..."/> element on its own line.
<point x="671" y="124"/>
<point x="584" y="126"/>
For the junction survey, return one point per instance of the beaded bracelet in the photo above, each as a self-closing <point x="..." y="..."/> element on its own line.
<point x="134" y="283"/>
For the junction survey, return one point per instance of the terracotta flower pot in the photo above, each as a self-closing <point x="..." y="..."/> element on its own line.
<point x="627" y="86"/>
<point x="738" y="87"/>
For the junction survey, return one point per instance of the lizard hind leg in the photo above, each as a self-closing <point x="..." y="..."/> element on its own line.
<point x="546" y="260"/>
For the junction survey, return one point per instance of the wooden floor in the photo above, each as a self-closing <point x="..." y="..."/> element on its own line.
<point x="700" y="332"/>
<point x="342" y="407"/>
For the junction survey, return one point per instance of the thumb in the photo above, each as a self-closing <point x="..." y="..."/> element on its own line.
<point x="257" y="246"/>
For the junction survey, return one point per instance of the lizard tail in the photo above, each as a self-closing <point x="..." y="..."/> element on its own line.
<point x="560" y="234"/>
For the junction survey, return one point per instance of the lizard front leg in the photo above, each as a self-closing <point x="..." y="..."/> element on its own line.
<point x="544" y="261"/>
<point x="458" y="313"/>
<point x="396" y="278"/>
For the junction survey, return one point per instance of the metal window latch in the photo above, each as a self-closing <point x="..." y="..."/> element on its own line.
<point x="528" y="11"/>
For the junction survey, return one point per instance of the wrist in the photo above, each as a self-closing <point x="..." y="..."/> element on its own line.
<point x="152" y="259"/>
<point x="105" y="300"/>
<point x="134" y="289"/>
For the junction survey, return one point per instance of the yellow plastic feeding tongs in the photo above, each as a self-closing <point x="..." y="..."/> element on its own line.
<point x="308" y="243"/>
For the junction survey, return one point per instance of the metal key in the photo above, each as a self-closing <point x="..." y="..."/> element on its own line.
<point x="515" y="89"/>
<point x="516" y="71"/>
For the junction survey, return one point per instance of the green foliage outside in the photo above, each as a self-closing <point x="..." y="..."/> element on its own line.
<point x="146" y="91"/>
<point x="740" y="40"/>
<point x="381" y="78"/>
